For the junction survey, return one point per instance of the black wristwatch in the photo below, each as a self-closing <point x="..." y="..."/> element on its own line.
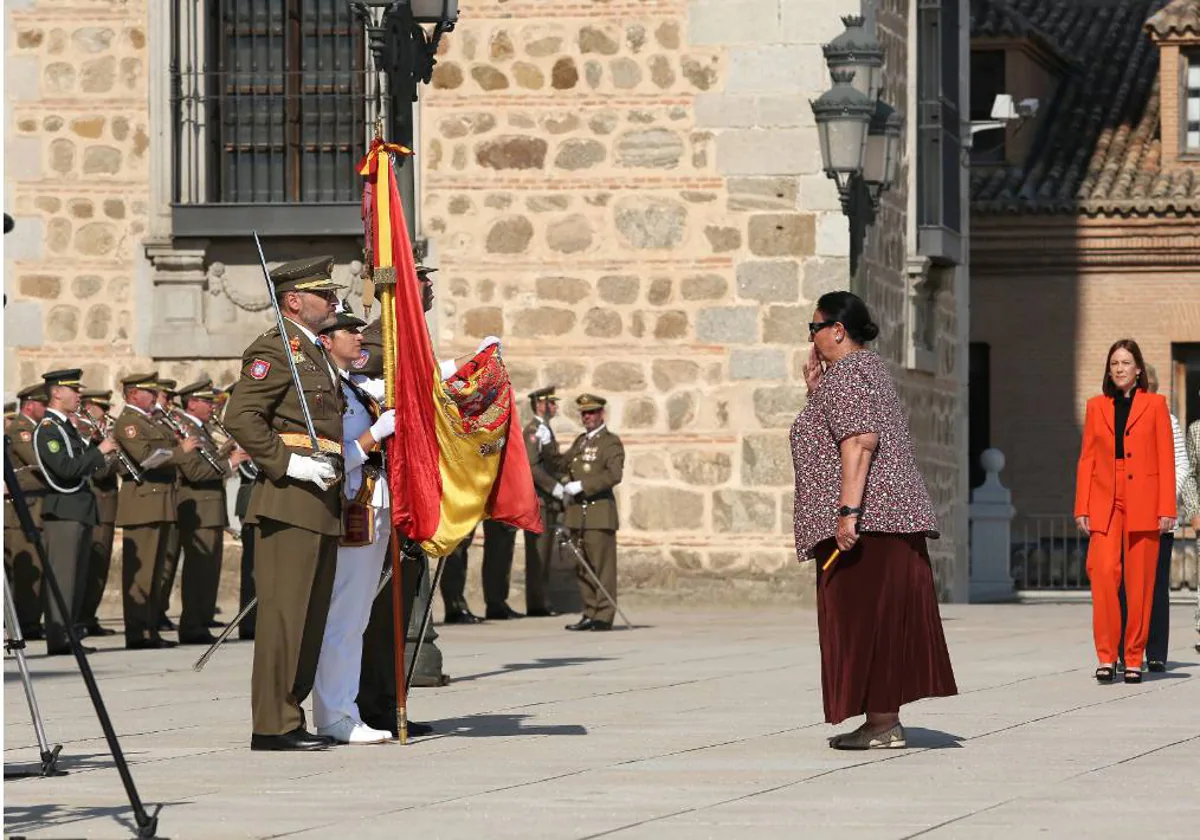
<point x="845" y="510"/>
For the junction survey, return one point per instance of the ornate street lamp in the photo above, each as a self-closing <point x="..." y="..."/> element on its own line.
<point x="857" y="50"/>
<point x="843" y="115"/>
<point x="881" y="159"/>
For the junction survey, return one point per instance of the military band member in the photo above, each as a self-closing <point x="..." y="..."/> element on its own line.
<point x="202" y="515"/>
<point x="10" y="414"/>
<point x="594" y="465"/>
<point x="69" y="509"/>
<point x="105" y="486"/>
<point x="296" y="502"/>
<point x="164" y="406"/>
<point x="146" y="511"/>
<point x="544" y="462"/>
<point x="21" y="559"/>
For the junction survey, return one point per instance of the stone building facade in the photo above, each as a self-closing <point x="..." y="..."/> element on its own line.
<point x="630" y="193"/>
<point x="1086" y="232"/>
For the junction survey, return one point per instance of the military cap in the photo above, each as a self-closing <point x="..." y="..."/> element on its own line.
<point x="546" y="393"/>
<point x="312" y="274"/>
<point x="99" y="397"/>
<point x="145" y="381"/>
<point x="33" y="393"/>
<point x="10" y="407"/>
<point x="344" y="319"/>
<point x="66" y="378"/>
<point x="167" y="386"/>
<point x="202" y="390"/>
<point x="423" y="271"/>
<point x="590" y="402"/>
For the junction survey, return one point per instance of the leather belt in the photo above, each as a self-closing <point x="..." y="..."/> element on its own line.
<point x="300" y="440"/>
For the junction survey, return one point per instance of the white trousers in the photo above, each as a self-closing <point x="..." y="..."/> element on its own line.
<point x="340" y="663"/>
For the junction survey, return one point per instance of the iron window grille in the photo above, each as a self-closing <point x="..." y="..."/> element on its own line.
<point x="270" y="115"/>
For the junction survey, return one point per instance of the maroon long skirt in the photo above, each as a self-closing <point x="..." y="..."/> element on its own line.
<point x="881" y="633"/>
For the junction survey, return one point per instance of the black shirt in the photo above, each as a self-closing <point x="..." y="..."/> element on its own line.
<point x="1121" y="406"/>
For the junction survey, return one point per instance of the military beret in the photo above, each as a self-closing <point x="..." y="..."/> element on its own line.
<point x="33" y="393"/>
<point x="67" y="378"/>
<point x="313" y="274"/>
<point x="145" y="381"/>
<point x="590" y="402"/>
<point x="546" y="393"/>
<point x="202" y="390"/>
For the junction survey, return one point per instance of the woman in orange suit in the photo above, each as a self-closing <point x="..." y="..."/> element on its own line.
<point x="1124" y="499"/>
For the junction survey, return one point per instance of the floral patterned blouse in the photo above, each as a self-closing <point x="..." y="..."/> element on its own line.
<point x="856" y="396"/>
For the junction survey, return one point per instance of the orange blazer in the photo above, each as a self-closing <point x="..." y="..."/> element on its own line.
<point x="1149" y="464"/>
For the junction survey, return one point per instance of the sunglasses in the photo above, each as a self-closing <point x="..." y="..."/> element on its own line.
<point x="815" y="327"/>
<point x="324" y="294"/>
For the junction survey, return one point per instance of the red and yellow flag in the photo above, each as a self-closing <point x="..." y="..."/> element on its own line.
<point x="458" y="455"/>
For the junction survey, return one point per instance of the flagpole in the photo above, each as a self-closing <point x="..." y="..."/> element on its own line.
<point x="386" y="281"/>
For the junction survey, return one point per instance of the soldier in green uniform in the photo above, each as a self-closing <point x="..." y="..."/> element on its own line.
<point x="544" y="456"/>
<point x="95" y="406"/>
<point x="594" y="465"/>
<point x="146" y="511"/>
<point x="202" y="516"/>
<point x="296" y="502"/>
<point x="69" y="509"/>
<point x="21" y="559"/>
<point x="247" y="474"/>
<point x="164" y="405"/>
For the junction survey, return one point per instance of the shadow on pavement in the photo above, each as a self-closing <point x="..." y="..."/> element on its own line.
<point x="22" y="818"/>
<point x="932" y="739"/>
<point x="536" y="665"/>
<point x="499" y="726"/>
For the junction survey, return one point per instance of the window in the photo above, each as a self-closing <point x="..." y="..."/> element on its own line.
<point x="1191" y="126"/>
<point x="987" y="82"/>
<point x="939" y="130"/>
<point x="269" y="104"/>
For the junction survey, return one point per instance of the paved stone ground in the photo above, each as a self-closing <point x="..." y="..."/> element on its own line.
<point x="701" y="723"/>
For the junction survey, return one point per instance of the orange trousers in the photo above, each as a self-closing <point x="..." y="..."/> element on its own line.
<point x="1105" y="570"/>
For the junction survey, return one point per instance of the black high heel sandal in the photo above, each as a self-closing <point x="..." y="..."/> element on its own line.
<point x="1133" y="676"/>
<point x="1104" y="674"/>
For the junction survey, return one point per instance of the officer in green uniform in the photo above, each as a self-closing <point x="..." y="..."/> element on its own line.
<point x="69" y="509"/>
<point x="96" y="405"/>
<point x="202" y="516"/>
<point x="544" y="456"/>
<point x="21" y="559"/>
<point x="594" y="465"/>
<point x="296" y="502"/>
<point x="146" y="511"/>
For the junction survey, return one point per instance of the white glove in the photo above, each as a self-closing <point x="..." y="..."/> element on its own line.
<point x="557" y="492"/>
<point x="573" y="488"/>
<point x="374" y="387"/>
<point x="304" y="468"/>
<point x="385" y="426"/>
<point x="447" y="369"/>
<point x="488" y="342"/>
<point x="543" y="435"/>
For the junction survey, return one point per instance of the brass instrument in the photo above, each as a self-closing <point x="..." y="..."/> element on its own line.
<point x="99" y="433"/>
<point x="181" y="431"/>
<point x="247" y="469"/>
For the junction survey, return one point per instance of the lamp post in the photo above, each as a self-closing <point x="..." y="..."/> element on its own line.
<point x="859" y="133"/>
<point x="403" y="55"/>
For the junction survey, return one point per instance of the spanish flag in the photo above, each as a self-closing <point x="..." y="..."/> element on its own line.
<point x="458" y="455"/>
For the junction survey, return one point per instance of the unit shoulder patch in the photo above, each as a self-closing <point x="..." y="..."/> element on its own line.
<point x="25" y="437"/>
<point x="258" y="369"/>
<point x="130" y="431"/>
<point x="364" y="356"/>
<point x="54" y="446"/>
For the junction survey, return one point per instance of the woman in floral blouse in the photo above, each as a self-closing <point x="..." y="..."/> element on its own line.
<point x="859" y="495"/>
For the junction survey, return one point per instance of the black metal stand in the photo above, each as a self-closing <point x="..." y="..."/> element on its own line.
<point x="14" y="643"/>
<point x="147" y="824"/>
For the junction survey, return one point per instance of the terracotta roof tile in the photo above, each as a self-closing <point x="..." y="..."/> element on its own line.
<point x="1181" y="17"/>
<point x="1098" y="148"/>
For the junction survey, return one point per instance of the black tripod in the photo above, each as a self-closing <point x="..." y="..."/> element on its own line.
<point x="147" y="825"/>
<point x="14" y="643"/>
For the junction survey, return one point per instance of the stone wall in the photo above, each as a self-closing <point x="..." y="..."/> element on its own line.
<point x="631" y="194"/>
<point x="76" y="157"/>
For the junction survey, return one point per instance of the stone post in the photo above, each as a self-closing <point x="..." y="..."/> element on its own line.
<point x="991" y="534"/>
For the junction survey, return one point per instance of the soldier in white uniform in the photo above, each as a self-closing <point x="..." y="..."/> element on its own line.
<point x="366" y="521"/>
